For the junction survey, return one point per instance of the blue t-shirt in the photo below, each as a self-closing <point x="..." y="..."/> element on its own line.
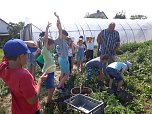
<point x="120" y="66"/>
<point x="96" y="62"/>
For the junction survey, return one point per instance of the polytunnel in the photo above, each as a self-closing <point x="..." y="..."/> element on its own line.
<point x="129" y="30"/>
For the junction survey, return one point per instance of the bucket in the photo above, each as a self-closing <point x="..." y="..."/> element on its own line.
<point x="84" y="91"/>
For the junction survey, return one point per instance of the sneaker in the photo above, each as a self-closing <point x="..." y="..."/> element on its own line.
<point x="64" y="89"/>
<point x="119" y="90"/>
<point x="100" y="83"/>
<point x="59" y="90"/>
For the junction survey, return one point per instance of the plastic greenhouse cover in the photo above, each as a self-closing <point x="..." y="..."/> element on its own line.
<point x="129" y="30"/>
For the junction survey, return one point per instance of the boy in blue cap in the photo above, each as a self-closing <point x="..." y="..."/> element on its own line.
<point x="25" y="94"/>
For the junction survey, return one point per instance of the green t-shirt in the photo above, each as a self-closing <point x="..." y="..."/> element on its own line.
<point x="49" y="62"/>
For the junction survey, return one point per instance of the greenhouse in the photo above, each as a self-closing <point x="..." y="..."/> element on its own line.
<point x="129" y="30"/>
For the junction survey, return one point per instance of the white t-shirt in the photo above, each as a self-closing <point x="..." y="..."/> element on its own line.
<point x="90" y="45"/>
<point x="70" y="53"/>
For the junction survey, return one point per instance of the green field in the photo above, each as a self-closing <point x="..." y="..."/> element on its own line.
<point x="136" y="97"/>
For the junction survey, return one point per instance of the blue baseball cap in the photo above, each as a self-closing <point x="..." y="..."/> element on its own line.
<point x="15" y="47"/>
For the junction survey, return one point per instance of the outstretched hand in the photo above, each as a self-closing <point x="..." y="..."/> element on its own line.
<point x="44" y="76"/>
<point x="49" y="25"/>
<point x="56" y="15"/>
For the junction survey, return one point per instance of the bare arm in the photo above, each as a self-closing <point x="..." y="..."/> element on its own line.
<point x="45" y="39"/>
<point x="116" y="48"/>
<point x="99" y="38"/>
<point x="93" y="39"/>
<point x="117" y="44"/>
<point x="59" y="25"/>
<point x="33" y="99"/>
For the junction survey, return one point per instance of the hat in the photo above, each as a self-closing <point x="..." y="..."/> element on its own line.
<point x="32" y="46"/>
<point x="129" y="64"/>
<point x="15" y="47"/>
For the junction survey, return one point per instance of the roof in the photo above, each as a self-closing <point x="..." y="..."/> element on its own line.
<point x="4" y="21"/>
<point x="3" y="27"/>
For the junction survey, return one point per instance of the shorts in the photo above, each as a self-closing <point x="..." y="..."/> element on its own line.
<point x="80" y="57"/>
<point x="92" y="71"/>
<point x="37" y="112"/>
<point x="64" y="65"/>
<point x="49" y="82"/>
<point x="113" y="73"/>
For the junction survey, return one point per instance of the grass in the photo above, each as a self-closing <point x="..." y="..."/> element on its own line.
<point x="1" y="54"/>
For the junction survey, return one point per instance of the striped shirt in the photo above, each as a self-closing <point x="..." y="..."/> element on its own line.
<point x="110" y="39"/>
<point x="63" y="46"/>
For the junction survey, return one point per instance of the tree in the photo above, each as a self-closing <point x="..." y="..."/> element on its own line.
<point x="120" y="15"/>
<point x="14" y="29"/>
<point x="138" y="17"/>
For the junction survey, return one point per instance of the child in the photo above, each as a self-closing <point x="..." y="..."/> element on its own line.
<point x="90" y="48"/>
<point x="20" y="81"/>
<point x="80" y="54"/>
<point x="31" y="61"/>
<point x="49" y="64"/>
<point x="94" y="67"/>
<point x="70" y="54"/>
<point x="63" y="58"/>
<point x="115" y="70"/>
<point x="39" y="59"/>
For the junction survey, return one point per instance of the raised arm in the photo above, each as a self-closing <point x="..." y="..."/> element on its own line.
<point x="59" y="25"/>
<point x="117" y="44"/>
<point x="45" y="39"/>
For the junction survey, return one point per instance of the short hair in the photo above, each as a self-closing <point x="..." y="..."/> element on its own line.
<point x="50" y="41"/>
<point x="42" y="34"/>
<point x="12" y="58"/>
<point x="64" y="32"/>
<point x="81" y="37"/>
<point x="105" y="57"/>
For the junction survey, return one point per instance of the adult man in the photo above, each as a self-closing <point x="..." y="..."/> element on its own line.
<point x="108" y="41"/>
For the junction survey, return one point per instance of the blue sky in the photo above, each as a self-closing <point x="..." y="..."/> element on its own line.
<point x="41" y="11"/>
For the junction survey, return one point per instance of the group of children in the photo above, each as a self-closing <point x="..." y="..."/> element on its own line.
<point x="25" y="93"/>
